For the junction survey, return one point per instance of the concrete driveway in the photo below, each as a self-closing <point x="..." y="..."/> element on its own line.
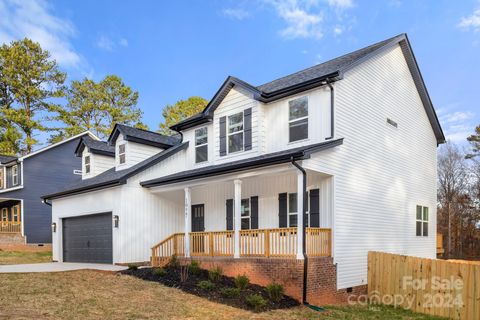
<point x="57" y="267"/>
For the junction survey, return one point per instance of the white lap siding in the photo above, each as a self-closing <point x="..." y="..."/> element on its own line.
<point x="381" y="172"/>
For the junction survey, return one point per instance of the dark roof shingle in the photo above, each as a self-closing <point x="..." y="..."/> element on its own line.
<point x="95" y="146"/>
<point x="142" y="136"/>
<point x="6" y="159"/>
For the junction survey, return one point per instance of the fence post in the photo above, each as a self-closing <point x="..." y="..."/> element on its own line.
<point x="210" y="243"/>
<point x="267" y="243"/>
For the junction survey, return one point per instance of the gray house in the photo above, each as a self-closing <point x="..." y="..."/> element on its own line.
<point x="24" y="217"/>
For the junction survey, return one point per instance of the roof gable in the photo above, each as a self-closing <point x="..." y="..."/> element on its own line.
<point x="95" y="147"/>
<point x="142" y="136"/>
<point x="318" y="75"/>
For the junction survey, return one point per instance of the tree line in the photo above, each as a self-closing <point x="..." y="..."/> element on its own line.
<point x="35" y="98"/>
<point x="458" y="209"/>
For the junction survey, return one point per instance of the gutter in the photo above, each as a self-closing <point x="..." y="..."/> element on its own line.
<point x="304" y="212"/>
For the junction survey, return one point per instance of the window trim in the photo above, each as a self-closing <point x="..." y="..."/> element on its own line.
<point x="422" y="220"/>
<point x="15" y="176"/>
<point x="288" y="209"/>
<point x="88" y="166"/>
<point x="4" y="216"/>
<point x="298" y="119"/>
<point x="200" y="145"/>
<point x="124" y="154"/>
<point x="249" y="217"/>
<point x="237" y="132"/>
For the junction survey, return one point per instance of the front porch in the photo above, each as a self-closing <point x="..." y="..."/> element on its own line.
<point x="10" y="216"/>
<point x="255" y="214"/>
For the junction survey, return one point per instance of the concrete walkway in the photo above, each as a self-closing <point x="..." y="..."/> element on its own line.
<point x="57" y="267"/>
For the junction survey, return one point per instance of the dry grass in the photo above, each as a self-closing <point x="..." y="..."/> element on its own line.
<point x="101" y="295"/>
<point x="21" y="257"/>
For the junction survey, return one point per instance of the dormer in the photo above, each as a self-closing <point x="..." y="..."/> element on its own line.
<point x="97" y="156"/>
<point x="134" y="145"/>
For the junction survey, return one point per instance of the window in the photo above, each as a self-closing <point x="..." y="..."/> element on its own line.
<point x="235" y="132"/>
<point x="201" y="145"/>
<point x="4" y="215"/>
<point x="245" y="213"/>
<point x="16" y="214"/>
<point x="15" y="175"/>
<point x="87" y="164"/>
<point x="298" y="119"/>
<point x="292" y="210"/>
<point x="121" y="153"/>
<point x="422" y="221"/>
<point x="1" y="178"/>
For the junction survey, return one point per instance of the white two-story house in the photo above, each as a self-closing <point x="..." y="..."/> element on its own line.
<point x="318" y="167"/>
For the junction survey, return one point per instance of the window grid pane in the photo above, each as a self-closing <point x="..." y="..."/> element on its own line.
<point x="292" y="202"/>
<point x="298" y="108"/>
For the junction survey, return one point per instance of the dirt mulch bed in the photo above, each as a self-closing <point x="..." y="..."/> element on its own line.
<point x="172" y="279"/>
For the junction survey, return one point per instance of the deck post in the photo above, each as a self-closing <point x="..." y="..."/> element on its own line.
<point x="188" y="220"/>
<point x="237" y="203"/>
<point x="300" y="199"/>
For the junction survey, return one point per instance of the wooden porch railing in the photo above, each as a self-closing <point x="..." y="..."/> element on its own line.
<point x="281" y="242"/>
<point x="318" y="242"/>
<point x="10" y="227"/>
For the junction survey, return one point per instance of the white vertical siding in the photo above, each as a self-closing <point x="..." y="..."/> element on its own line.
<point x="98" y="164"/>
<point x="381" y="172"/>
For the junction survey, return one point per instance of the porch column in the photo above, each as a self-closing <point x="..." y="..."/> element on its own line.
<point x="300" y="196"/>
<point x="237" y="220"/>
<point x="188" y="221"/>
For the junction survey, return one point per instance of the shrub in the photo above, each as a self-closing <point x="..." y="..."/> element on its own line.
<point x="215" y="274"/>
<point x="206" y="285"/>
<point x="275" y="292"/>
<point x="174" y="261"/>
<point x="159" y="272"/>
<point x="256" y="301"/>
<point x="183" y="274"/>
<point x="194" y="267"/>
<point x="132" y="267"/>
<point x="230" y="292"/>
<point x="242" y="282"/>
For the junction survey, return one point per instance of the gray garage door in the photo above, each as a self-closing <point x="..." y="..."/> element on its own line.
<point x="88" y="238"/>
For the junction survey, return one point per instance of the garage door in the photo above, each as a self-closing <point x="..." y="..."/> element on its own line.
<point x="88" y="239"/>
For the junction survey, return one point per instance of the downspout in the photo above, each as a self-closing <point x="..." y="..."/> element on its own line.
<point x="332" y="108"/>
<point x="305" y="264"/>
<point x="46" y="202"/>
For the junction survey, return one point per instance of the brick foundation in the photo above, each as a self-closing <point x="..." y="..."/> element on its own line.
<point x="321" y="282"/>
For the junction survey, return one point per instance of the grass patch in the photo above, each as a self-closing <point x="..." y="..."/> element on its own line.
<point x="99" y="295"/>
<point x="22" y="257"/>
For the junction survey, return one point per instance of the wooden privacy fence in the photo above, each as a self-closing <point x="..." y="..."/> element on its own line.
<point x="436" y="287"/>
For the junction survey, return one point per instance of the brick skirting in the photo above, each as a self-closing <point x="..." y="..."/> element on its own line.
<point x="321" y="282"/>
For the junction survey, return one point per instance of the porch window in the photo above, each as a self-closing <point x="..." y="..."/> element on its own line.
<point x="16" y="214"/>
<point x="4" y="215"/>
<point x="422" y="221"/>
<point x="87" y="164"/>
<point x="121" y="153"/>
<point x="235" y="132"/>
<point x="292" y="210"/>
<point x="298" y="119"/>
<point x="201" y="145"/>
<point x="246" y="215"/>
<point x="15" y="175"/>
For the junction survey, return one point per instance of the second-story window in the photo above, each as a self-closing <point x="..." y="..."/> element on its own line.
<point x="1" y="178"/>
<point x="298" y="119"/>
<point x="87" y="164"/>
<point x="15" y="175"/>
<point x="201" y="145"/>
<point x="121" y="153"/>
<point x="235" y="132"/>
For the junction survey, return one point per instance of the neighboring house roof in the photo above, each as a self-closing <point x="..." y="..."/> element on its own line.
<point x="94" y="146"/>
<point x="7" y="159"/>
<point x="142" y="136"/>
<point x="318" y="75"/>
<point x="85" y="133"/>
<point x="112" y="177"/>
<point x="269" y="159"/>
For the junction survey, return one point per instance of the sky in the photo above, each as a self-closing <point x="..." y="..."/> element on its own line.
<point x="170" y="50"/>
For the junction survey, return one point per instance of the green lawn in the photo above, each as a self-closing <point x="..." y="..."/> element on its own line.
<point x="20" y="257"/>
<point x="102" y="295"/>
